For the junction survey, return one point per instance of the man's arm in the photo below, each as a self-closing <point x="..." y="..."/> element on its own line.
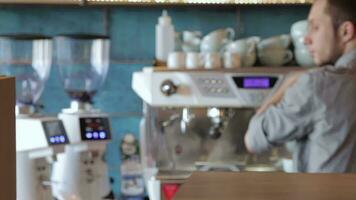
<point x="278" y="95"/>
<point x="290" y="119"/>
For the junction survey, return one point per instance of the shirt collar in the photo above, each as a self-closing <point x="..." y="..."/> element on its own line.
<point x="347" y="60"/>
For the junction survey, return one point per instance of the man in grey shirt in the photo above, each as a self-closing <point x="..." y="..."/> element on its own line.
<point x="317" y="108"/>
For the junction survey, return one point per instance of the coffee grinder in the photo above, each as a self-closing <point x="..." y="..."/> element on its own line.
<point x="81" y="171"/>
<point x="39" y="138"/>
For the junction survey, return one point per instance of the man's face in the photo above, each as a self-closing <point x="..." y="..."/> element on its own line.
<point x="322" y="38"/>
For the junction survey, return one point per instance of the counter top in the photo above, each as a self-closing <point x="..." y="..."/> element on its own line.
<point x="267" y="186"/>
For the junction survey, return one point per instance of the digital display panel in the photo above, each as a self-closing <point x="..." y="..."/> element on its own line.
<point x="55" y="132"/>
<point x="255" y="82"/>
<point x="93" y="129"/>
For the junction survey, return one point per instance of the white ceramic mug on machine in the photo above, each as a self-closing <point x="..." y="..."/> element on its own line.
<point x="194" y="60"/>
<point x="176" y="60"/>
<point x="231" y="60"/>
<point x="212" y="60"/>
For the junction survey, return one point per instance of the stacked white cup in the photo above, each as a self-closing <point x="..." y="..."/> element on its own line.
<point x="241" y="53"/>
<point x="298" y="31"/>
<point x="274" y="51"/>
<point x="176" y="60"/>
<point x="204" y="53"/>
<point x="194" y="60"/>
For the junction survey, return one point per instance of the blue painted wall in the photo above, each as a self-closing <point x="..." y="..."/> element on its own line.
<point x="132" y="34"/>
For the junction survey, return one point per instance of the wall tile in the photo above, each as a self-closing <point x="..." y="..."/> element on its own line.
<point x="51" y="20"/>
<point x="269" y="21"/>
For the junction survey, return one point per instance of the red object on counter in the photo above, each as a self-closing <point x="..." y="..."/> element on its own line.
<point x="169" y="190"/>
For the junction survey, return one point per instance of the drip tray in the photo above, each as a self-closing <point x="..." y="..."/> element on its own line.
<point x="173" y="174"/>
<point x="216" y="166"/>
<point x="260" y="168"/>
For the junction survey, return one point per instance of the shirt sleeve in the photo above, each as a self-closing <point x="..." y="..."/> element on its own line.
<point x="291" y="119"/>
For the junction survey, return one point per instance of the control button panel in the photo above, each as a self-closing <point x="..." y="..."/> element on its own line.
<point x="55" y="132"/>
<point x="213" y="86"/>
<point x="95" y="128"/>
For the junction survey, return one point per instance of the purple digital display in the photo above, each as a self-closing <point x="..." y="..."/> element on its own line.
<point x="256" y="82"/>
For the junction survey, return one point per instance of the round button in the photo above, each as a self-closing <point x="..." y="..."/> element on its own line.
<point x="102" y="135"/>
<point x="212" y="90"/>
<point x="168" y="88"/>
<point x="52" y="140"/>
<point x="62" y="139"/>
<point x="58" y="140"/>
<point x="89" y="135"/>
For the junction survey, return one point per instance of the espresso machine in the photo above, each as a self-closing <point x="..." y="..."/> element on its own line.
<point x="196" y="120"/>
<point x="39" y="138"/>
<point x="81" y="172"/>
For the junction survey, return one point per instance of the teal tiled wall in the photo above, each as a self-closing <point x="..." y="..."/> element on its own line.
<point x="132" y="34"/>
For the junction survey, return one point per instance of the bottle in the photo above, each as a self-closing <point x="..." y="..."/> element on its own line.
<point x="164" y="37"/>
<point x="132" y="184"/>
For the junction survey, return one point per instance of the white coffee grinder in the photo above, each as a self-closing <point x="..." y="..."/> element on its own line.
<point x="81" y="172"/>
<point x="38" y="138"/>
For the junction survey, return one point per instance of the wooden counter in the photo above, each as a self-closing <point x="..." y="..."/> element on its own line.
<point x="268" y="186"/>
<point x="7" y="139"/>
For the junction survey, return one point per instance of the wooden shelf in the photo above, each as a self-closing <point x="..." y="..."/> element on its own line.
<point x="161" y="2"/>
<point x="51" y="2"/>
<point x="237" y="70"/>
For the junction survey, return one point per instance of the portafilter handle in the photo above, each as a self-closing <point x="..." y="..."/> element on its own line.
<point x="168" y="88"/>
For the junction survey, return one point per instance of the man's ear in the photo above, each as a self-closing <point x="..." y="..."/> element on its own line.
<point x="347" y="31"/>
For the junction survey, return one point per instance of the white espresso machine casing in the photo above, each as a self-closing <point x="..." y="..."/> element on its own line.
<point x="210" y="88"/>
<point x="172" y="90"/>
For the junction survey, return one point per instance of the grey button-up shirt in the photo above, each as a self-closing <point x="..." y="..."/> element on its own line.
<point x="319" y="113"/>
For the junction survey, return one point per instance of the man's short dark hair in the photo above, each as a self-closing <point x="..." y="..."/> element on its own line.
<point x="341" y="11"/>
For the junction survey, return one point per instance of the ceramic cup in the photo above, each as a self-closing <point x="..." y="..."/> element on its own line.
<point x="191" y="41"/>
<point x="276" y="42"/>
<point x="176" y="60"/>
<point x="246" y="48"/>
<point x="191" y="36"/>
<point x="303" y="58"/>
<point x="231" y="60"/>
<point x="275" y="57"/>
<point x="299" y="29"/>
<point x="194" y="60"/>
<point x="212" y="60"/>
<point x="299" y="43"/>
<point x="214" y="41"/>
